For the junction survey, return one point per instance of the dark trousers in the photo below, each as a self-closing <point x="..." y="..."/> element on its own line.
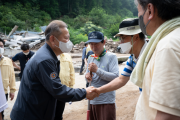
<point x="3" y="111"/>
<point x="82" y="66"/>
<point x="103" y="112"/>
<point x="59" y="110"/>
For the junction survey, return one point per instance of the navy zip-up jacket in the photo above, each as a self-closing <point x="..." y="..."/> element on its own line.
<point x="41" y="87"/>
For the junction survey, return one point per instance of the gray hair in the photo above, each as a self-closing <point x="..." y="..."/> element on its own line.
<point x="54" y="28"/>
<point x="136" y="2"/>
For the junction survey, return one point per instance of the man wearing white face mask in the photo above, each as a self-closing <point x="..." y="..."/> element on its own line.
<point x="6" y="74"/>
<point x="23" y="57"/>
<point x="41" y="86"/>
<point x="132" y="42"/>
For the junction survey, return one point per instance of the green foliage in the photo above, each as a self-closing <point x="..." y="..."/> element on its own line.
<point x="126" y="13"/>
<point x="112" y="31"/>
<point x="105" y="15"/>
<point x="80" y="21"/>
<point x="98" y="16"/>
<point x="26" y="17"/>
<point x="68" y="20"/>
<point x="37" y="28"/>
<point x="89" y="27"/>
<point x="77" y="37"/>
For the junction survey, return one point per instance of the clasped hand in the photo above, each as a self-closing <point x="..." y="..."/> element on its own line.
<point x="90" y="93"/>
<point x="92" y="67"/>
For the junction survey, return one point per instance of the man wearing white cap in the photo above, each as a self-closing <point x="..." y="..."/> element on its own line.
<point x="132" y="42"/>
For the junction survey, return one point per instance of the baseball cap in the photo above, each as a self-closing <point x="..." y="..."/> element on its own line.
<point x="129" y="26"/>
<point x="95" y="37"/>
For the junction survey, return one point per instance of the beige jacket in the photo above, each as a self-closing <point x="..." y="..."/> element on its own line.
<point x="67" y="74"/>
<point x="8" y="76"/>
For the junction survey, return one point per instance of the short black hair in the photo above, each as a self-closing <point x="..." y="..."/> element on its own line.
<point x="1" y="40"/>
<point x="102" y="41"/>
<point x="141" y="36"/>
<point x="24" y="47"/>
<point x="167" y="9"/>
<point x="85" y="44"/>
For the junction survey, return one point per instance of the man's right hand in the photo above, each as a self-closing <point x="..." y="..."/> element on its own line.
<point x="97" y="90"/>
<point x="89" y="94"/>
<point x="89" y="77"/>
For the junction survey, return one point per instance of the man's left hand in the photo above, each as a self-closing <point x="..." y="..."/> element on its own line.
<point x="92" y="67"/>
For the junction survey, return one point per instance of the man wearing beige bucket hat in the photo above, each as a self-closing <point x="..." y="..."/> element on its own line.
<point x="132" y="42"/>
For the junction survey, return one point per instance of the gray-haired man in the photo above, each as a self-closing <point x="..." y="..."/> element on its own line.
<point x="40" y="84"/>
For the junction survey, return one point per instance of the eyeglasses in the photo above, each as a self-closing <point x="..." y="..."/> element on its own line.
<point x="122" y="38"/>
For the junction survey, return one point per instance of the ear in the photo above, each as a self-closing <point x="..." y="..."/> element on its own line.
<point x="104" y="42"/>
<point x="151" y="11"/>
<point x="136" y="37"/>
<point x="52" y="40"/>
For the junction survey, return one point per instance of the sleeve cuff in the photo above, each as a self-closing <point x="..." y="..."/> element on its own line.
<point x="84" y="90"/>
<point x="165" y="109"/>
<point x="98" y="72"/>
<point x="12" y="91"/>
<point x="71" y="86"/>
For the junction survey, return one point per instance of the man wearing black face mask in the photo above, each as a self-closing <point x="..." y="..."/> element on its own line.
<point x="23" y="57"/>
<point x="158" y="69"/>
<point x="41" y="86"/>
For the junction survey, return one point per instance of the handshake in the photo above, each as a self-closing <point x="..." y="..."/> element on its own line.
<point x="92" y="92"/>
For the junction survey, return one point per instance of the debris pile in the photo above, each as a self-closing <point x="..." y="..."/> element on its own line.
<point x="112" y="46"/>
<point x="16" y="38"/>
<point x="109" y="46"/>
<point x="37" y="39"/>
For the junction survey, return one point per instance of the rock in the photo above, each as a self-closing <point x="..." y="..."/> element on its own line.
<point x="81" y="45"/>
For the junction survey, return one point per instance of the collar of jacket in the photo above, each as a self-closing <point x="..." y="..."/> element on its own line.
<point x="1" y="57"/>
<point x="51" y="52"/>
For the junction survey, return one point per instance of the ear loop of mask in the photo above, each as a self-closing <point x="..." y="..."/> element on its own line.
<point x="147" y="22"/>
<point x="49" y="36"/>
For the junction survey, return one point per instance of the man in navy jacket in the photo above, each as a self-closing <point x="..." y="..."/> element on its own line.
<point x="40" y="86"/>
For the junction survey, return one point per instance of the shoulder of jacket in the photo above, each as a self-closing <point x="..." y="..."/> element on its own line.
<point x="6" y="61"/>
<point x="111" y="54"/>
<point x="65" y="57"/>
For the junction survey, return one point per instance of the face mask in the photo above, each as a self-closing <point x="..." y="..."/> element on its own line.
<point x="142" y="25"/>
<point x="1" y="51"/>
<point x="65" y="47"/>
<point x="125" y="47"/>
<point x="26" y="53"/>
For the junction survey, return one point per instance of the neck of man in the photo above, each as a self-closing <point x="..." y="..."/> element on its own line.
<point x="154" y="25"/>
<point x="98" y="54"/>
<point x="136" y="50"/>
<point x="56" y="52"/>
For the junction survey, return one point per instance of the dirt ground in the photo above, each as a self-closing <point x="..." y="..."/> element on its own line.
<point x="126" y="99"/>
